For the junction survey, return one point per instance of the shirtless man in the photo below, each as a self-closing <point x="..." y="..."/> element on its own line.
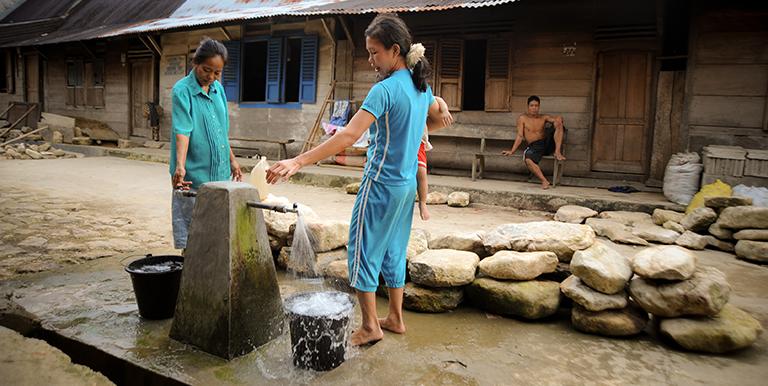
<point x="541" y="141"/>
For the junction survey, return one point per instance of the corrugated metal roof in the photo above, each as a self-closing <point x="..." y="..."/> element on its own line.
<point x="33" y="19"/>
<point x="202" y="12"/>
<point x="93" y="19"/>
<point x="8" y="6"/>
<point x="84" y="20"/>
<point x="39" y="9"/>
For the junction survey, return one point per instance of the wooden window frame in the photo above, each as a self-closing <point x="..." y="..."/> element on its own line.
<point x="437" y="69"/>
<point x="80" y="86"/>
<point x="275" y="93"/>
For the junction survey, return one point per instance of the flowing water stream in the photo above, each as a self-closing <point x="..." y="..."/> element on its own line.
<point x="303" y="257"/>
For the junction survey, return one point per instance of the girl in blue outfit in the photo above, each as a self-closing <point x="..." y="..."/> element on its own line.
<point x="394" y="112"/>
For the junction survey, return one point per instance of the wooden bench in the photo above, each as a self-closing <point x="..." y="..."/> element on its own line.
<point x="485" y="135"/>
<point x="478" y="163"/>
<point x="242" y="143"/>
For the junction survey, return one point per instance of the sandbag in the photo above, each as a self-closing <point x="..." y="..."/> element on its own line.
<point x="682" y="177"/>
<point x="758" y="194"/>
<point x="715" y="189"/>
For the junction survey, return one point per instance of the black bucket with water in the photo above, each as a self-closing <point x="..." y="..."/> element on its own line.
<point x="319" y="324"/>
<point x="156" y="281"/>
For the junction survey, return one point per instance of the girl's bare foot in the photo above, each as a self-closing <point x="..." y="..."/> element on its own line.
<point x="545" y="185"/>
<point x="423" y="211"/>
<point x="390" y="324"/>
<point x="365" y="335"/>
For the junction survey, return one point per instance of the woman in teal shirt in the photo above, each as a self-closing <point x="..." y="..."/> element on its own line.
<point x="200" y="150"/>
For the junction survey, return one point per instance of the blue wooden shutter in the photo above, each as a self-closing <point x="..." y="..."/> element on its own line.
<point x="275" y="70"/>
<point x="230" y="78"/>
<point x="308" y="75"/>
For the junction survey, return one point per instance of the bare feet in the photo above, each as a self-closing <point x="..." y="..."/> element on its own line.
<point x="423" y="211"/>
<point x="390" y="324"/>
<point x="545" y="185"/>
<point x="559" y="157"/>
<point x="365" y="335"/>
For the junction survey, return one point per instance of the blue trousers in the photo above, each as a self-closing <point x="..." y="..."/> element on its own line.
<point x="379" y="233"/>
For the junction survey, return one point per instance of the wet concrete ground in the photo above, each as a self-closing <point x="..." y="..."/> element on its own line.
<point x="92" y="301"/>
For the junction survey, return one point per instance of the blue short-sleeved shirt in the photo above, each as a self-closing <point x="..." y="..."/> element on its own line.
<point x="204" y="119"/>
<point x="392" y="154"/>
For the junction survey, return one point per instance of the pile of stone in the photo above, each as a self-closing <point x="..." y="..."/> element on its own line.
<point x="691" y="301"/>
<point x="722" y="222"/>
<point x="455" y="199"/>
<point x="29" y="134"/>
<point x="598" y="290"/>
<point x="747" y="225"/>
<point x="516" y="279"/>
<point x="439" y="268"/>
<point x="510" y="283"/>
<point x="26" y="151"/>
<point x="437" y="279"/>
<point x="564" y="239"/>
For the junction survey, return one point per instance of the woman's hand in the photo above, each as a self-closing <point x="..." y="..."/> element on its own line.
<point x="177" y="181"/>
<point x="282" y="170"/>
<point x="237" y="174"/>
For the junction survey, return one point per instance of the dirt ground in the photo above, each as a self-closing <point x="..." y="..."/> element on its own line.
<point x="58" y="214"/>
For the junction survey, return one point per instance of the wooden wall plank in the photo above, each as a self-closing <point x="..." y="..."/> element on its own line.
<point x="732" y="48"/>
<point x="552" y="71"/>
<point x="729" y="111"/>
<point x="581" y="88"/>
<point x="554" y="104"/>
<point x="553" y="55"/>
<point x="737" y="80"/>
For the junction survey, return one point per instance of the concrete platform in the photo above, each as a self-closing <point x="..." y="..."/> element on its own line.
<point x="27" y="361"/>
<point x="87" y="310"/>
<point x="91" y="307"/>
<point x="515" y="194"/>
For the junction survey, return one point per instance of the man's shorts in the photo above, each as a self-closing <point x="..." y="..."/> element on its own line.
<point x="545" y="146"/>
<point x="422" y="156"/>
<point x="379" y="233"/>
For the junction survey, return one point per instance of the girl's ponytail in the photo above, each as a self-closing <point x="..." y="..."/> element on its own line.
<point x="420" y="73"/>
<point x="419" y="66"/>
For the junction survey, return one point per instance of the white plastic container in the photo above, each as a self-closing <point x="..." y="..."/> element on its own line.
<point x="259" y="177"/>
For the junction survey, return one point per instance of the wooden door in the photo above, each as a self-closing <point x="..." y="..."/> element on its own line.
<point x="32" y="78"/>
<point x="620" y="139"/>
<point x="141" y="93"/>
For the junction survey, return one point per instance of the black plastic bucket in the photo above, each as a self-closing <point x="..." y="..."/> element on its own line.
<point x="319" y="339"/>
<point x="156" y="281"/>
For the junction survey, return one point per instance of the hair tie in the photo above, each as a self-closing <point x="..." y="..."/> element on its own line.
<point x="415" y="53"/>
